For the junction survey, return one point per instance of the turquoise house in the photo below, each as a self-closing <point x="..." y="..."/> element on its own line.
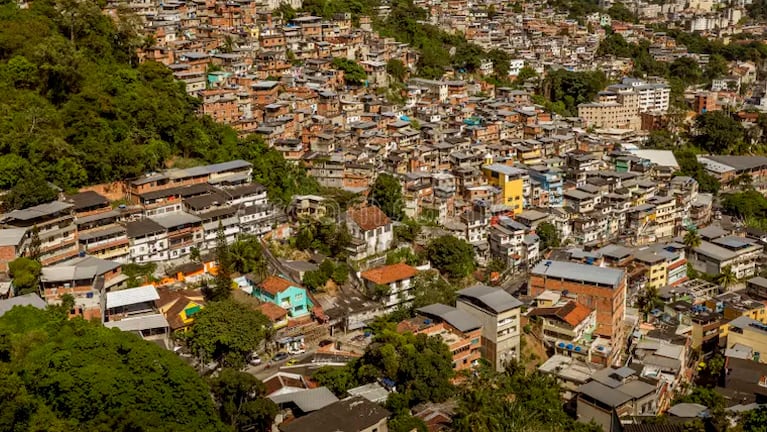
<point x="285" y="294"/>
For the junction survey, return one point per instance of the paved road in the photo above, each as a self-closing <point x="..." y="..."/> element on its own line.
<point x="262" y="371"/>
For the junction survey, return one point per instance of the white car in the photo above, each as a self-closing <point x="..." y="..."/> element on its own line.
<point x="297" y="351"/>
<point x="255" y="360"/>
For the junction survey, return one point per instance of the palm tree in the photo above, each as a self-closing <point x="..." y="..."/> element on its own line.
<point x="691" y="239"/>
<point x="726" y="277"/>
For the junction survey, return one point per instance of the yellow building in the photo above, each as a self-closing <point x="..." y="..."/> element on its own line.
<point x="511" y="182"/>
<point x="657" y="268"/>
<point x="748" y="332"/>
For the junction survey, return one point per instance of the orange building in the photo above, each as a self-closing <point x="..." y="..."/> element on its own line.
<point x="460" y="331"/>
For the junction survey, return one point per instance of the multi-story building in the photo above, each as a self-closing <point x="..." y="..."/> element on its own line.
<point x="84" y="278"/>
<point x="599" y="288"/>
<point x="54" y="226"/>
<point x="499" y="313"/>
<point x="459" y="330"/>
<point x="511" y="182"/>
<point x="285" y="294"/>
<point x="391" y="284"/>
<point x="740" y="254"/>
<point x="370" y="225"/>
<point x="619" y="110"/>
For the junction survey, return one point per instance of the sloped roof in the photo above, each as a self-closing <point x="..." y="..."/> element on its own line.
<point x="369" y="218"/>
<point x="461" y="320"/>
<point x="493" y="298"/>
<point x="25" y="300"/>
<point x="275" y="285"/>
<point x="272" y="311"/>
<point x="390" y="273"/>
<point x="307" y="400"/>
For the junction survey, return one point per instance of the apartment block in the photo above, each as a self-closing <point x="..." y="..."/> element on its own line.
<point x="499" y="313"/>
<point x="599" y="288"/>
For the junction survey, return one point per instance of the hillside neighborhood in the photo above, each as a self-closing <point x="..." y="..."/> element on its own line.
<point x="405" y="215"/>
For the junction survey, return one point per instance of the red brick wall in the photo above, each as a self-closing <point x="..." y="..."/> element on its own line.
<point x="608" y="302"/>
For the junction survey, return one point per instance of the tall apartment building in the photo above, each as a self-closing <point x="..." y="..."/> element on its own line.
<point x="499" y="312"/>
<point x="619" y="105"/>
<point x="619" y="110"/>
<point x="599" y="288"/>
<point x="652" y="96"/>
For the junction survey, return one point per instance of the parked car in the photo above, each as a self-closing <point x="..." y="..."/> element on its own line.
<point x="291" y="362"/>
<point x="296" y="351"/>
<point x="280" y="356"/>
<point x="325" y="342"/>
<point x="255" y="360"/>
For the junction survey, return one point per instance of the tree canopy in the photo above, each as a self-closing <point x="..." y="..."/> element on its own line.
<point x="513" y="400"/>
<point x="353" y="73"/>
<point x="548" y="234"/>
<point x="241" y="401"/>
<point x="386" y="193"/>
<point x="26" y="275"/>
<point x="420" y="366"/>
<point x="78" y="108"/>
<point x="226" y="332"/>
<point x="452" y="256"/>
<point x="62" y="375"/>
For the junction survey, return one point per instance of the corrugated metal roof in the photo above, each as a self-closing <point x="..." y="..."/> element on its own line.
<point x="307" y="400"/>
<point x="461" y="320"/>
<point x="495" y="299"/>
<point x="579" y="272"/>
<point x="139" y="323"/>
<point x="131" y="296"/>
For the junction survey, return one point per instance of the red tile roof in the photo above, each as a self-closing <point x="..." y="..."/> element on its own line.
<point x="574" y="313"/>
<point x="275" y="285"/>
<point x="390" y="273"/>
<point x="369" y="218"/>
<point x="272" y="311"/>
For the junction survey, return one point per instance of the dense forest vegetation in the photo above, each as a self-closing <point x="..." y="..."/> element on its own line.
<point x="78" y="108"/>
<point x="62" y="375"/>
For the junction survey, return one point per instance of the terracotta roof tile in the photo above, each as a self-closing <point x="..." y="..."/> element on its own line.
<point x="272" y="311"/>
<point x="574" y="314"/>
<point x="369" y="218"/>
<point x="275" y="285"/>
<point x="389" y="273"/>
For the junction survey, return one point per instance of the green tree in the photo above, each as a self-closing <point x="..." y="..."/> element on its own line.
<point x="286" y="11"/>
<point x="226" y="332"/>
<point x="548" y="234"/>
<point x="691" y="239"/>
<point x="451" y="255"/>
<point x="354" y="74"/>
<point x="241" y="401"/>
<point x="686" y="69"/>
<point x="717" y="67"/>
<point x="247" y="256"/>
<point x="407" y="423"/>
<point x="396" y="69"/>
<point x="525" y="74"/>
<point x="513" y="400"/>
<point x="30" y="191"/>
<point x="429" y="288"/>
<point x="222" y="284"/>
<point x="338" y="380"/>
<point x="26" y="275"/>
<point x="48" y="379"/>
<point x="726" y="277"/>
<point x="408" y="230"/>
<point x="618" y="11"/>
<point x="755" y="420"/>
<point x="386" y="193"/>
<point x="718" y="133"/>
